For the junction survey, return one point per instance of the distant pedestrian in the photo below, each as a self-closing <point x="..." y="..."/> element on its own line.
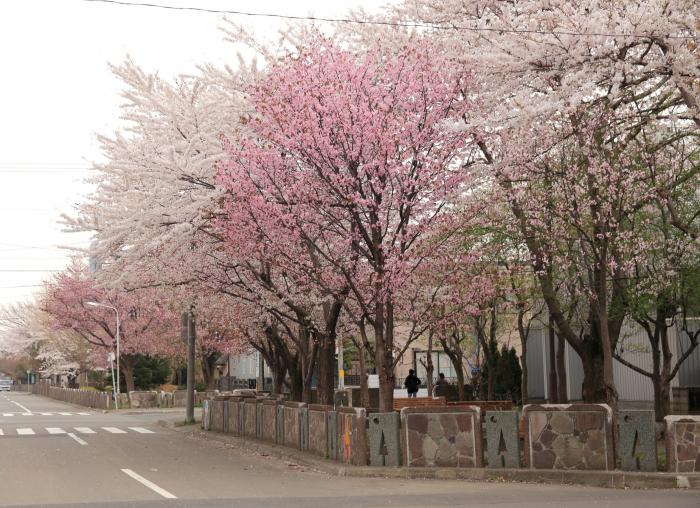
<point x="441" y="385"/>
<point x="412" y="383"/>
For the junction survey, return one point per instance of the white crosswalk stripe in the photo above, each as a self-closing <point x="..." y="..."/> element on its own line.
<point x="114" y="430"/>
<point x="141" y="430"/>
<point x="29" y="431"/>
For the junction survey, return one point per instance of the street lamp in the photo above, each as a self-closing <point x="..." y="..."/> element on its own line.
<point x="116" y="311"/>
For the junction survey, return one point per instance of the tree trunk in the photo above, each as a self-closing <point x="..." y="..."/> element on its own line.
<point x="384" y="355"/>
<point x="562" y="392"/>
<point x="208" y="363"/>
<point x="326" y="372"/>
<point x="296" y="382"/>
<point x="127" y="364"/>
<point x="592" y="389"/>
<point x="524" y="394"/>
<point x="429" y="367"/>
<point x="364" y="383"/>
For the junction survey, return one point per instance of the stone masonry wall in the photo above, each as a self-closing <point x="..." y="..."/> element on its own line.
<point x="441" y="437"/>
<point x="568" y="436"/>
<point x="683" y="444"/>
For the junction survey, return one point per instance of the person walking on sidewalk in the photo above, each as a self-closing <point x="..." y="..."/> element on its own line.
<point x="412" y="383"/>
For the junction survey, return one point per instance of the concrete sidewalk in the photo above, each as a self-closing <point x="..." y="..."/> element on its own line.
<point x="607" y="479"/>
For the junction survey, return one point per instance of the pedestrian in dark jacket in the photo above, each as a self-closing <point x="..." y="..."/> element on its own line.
<point x="412" y="383"/>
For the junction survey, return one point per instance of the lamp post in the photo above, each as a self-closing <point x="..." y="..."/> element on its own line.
<point x="116" y="311"/>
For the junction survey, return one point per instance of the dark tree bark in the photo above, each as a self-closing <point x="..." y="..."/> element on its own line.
<point x="207" y="361"/>
<point x="126" y="365"/>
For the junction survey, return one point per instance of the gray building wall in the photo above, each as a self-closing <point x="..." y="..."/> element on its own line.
<point x="634" y="347"/>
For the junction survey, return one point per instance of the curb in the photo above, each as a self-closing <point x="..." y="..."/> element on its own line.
<point x="606" y="479"/>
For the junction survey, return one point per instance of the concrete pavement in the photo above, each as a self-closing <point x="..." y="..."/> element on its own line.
<point x="166" y="468"/>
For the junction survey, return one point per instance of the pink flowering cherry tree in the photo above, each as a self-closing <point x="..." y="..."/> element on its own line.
<point x="357" y="150"/>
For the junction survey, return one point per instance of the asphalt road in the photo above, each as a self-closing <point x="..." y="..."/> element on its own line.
<point x="55" y="454"/>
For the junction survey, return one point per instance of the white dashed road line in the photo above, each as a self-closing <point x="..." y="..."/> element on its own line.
<point x="77" y="439"/>
<point x="155" y="488"/>
<point x="55" y="430"/>
<point x="114" y="430"/>
<point x="84" y="430"/>
<point x="26" y="410"/>
<point x="141" y="430"/>
<point x="25" y="432"/>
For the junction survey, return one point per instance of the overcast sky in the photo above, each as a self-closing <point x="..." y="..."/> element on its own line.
<point x="56" y="92"/>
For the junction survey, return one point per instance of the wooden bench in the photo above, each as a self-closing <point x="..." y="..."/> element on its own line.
<point x="401" y="403"/>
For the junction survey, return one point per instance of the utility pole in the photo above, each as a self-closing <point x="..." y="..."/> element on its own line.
<point x="191" y="338"/>
<point x="341" y="370"/>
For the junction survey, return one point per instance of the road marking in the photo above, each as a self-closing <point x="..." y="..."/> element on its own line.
<point x="26" y="410"/>
<point x="141" y="430"/>
<point x="1" y="432"/>
<point x="25" y="432"/>
<point x="76" y="438"/>
<point x="55" y="430"/>
<point x="114" y="430"/>
<point x="27" y="414"/>
<point x="8" y="414"/>
<point x="46" y="414"/>
<point x="155" y="488"/>
<point x="84" y="414"/>
<point x="66" y="414"/>
<point x="84" y="430"/>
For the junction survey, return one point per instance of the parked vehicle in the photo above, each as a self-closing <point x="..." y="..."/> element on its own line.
<point x="5" y="385"/>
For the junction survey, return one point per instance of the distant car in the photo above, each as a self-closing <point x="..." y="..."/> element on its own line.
<point x="5" y="385"/>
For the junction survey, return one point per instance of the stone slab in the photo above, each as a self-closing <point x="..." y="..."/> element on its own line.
<point x="279" y="430"/>
<point x="637" y="441"/>
<point x="569" y="436"/>
<point x="269" y="421"/>
<point x="502" y="442"/>
<point x="304" y="428"/>
<point x="250" y="418"/>
<point x="383" y="433"/>
<point x="352" y="436"/>
<point x="206" y="415"/>
<point x="683" y="443"/>
<point x="332" y="434"/>
<point x="292" y="424"/>
<point x="217" y="415"/>
<point x="442" y="437"/>
<point x="318" y="429"/>
<point x="259" y="419"/>
<point x="234" y="424"/>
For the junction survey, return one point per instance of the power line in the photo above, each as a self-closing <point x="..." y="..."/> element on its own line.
<point x="437" y="25"/>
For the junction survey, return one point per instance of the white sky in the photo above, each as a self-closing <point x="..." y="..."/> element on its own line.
<point x="56" y="92"/>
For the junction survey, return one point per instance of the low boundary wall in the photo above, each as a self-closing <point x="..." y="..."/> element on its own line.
<point x="557" y="437"/>
<point x="87" y="398"/>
